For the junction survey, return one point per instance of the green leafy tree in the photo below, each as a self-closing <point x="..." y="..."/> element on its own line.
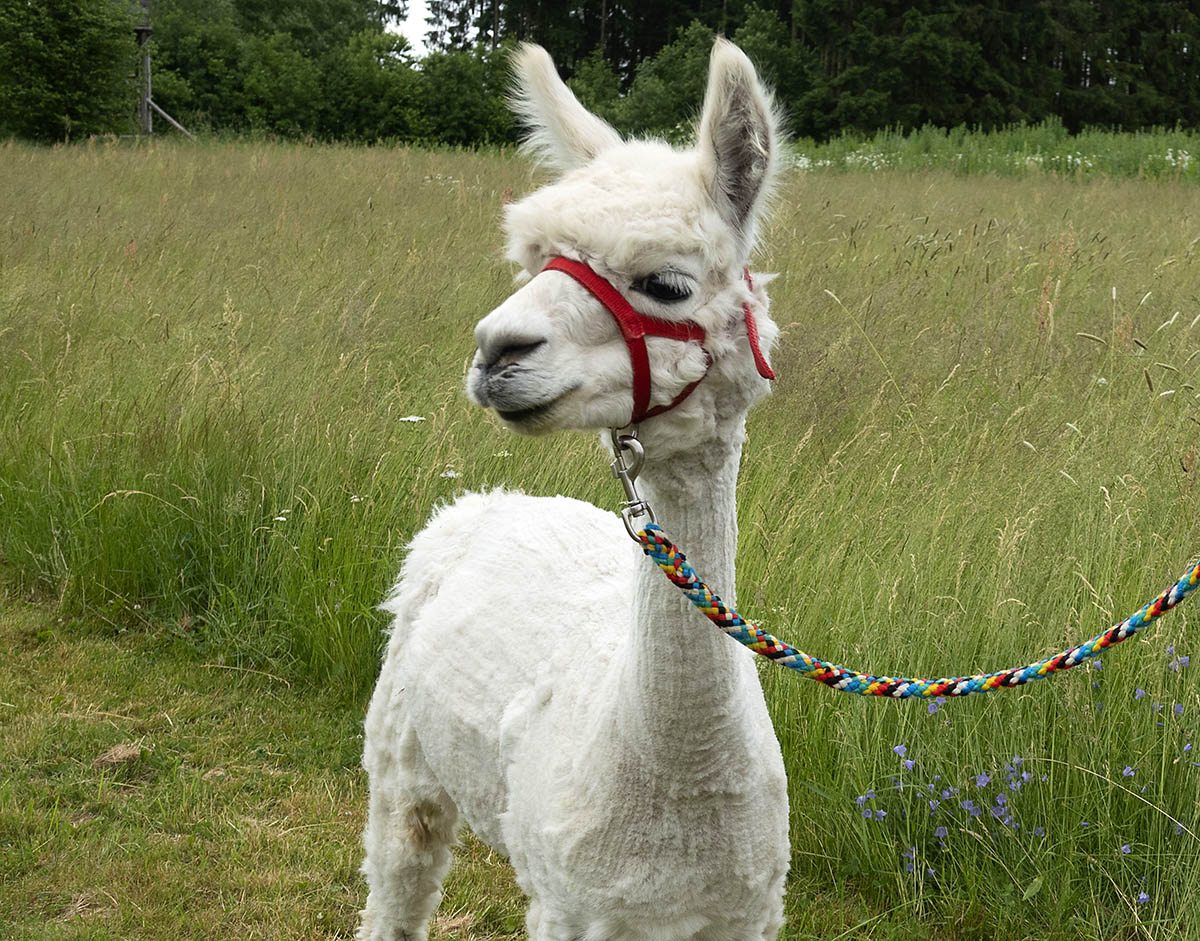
<point x="463" y="97"/>
<point x="370" y="90"/>
<point x="283" y="87"/>
<point x="199" y="61"/>
<point x="668" y="88"/>
<point x="786" y="65"/>
<point x="236" y="64"/>
<point x="596" y="84"/>
<point x="66" y="68"/>
<point x="316" y="26"/>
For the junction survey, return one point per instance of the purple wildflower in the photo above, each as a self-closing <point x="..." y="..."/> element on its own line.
<point x="982" y="779"/>
<point x="1142" y="898"/>
<point x="1139" y="693"/>
<point x="908" y="764"/>
<point x="901" y="750"/>
<point x="1039" y="831"/>
<point x="1178" y="708"/>
<point x="940" y="833"/>
<point x="1126" y="849"/>
<point x="1129" y="772"/>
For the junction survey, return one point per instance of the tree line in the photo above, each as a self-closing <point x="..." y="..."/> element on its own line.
<point x="331" y="69"/>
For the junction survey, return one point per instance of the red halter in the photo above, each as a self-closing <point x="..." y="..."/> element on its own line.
<point x="635" y="327"/>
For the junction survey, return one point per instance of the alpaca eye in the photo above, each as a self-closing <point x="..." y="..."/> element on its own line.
<point x="665" y="286"/>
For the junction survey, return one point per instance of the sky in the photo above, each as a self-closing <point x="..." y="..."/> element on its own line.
<point x="413" y="28"/>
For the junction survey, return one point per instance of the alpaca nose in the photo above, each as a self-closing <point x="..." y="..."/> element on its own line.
<point x="516" y="329"/>
<point x="504" y="351"/>
<point x="504" y="338"/>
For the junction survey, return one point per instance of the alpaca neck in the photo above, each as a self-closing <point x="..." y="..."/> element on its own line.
<point x="684" y="683"/>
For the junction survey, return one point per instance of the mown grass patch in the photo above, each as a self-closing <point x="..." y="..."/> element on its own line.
<point x="151" y="793"/>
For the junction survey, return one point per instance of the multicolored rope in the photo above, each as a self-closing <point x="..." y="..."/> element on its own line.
<point x="673" y="563"/>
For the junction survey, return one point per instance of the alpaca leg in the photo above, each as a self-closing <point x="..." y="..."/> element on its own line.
<point x="410" y="827"/>
<point x="541" y="924"/>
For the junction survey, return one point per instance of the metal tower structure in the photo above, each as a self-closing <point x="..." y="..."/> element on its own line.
<point x="146" y="104"/>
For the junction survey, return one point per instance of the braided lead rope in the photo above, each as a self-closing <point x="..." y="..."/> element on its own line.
<point x="675" y="566"/>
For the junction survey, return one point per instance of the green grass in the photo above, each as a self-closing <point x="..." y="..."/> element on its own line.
<point x="1018" y="150"/>
<point x="981" y="449"/>
<point x="152" y="793"/>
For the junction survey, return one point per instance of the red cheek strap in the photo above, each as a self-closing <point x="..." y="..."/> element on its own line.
<point x="760" y="361"/>
<point x="635" y="327"/>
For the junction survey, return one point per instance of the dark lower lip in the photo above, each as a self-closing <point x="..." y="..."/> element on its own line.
<point x="522" y="415"/>
<point x="526" y="414"/>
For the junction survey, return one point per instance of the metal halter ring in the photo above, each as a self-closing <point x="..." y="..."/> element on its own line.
<point x="635" y="507"/>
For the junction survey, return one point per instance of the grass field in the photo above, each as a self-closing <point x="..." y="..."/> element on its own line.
<point x="1166" y="154"/>
<point x="230" y="391"/>
<point x="151" y="793"/>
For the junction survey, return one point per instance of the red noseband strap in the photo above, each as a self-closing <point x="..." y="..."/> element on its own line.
<point x="635" y="327"/>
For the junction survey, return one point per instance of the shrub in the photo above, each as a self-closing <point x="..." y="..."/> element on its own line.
<point x="68" y="68"/>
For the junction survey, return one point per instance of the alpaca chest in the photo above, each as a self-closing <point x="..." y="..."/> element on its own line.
<point x="613" y="837"/>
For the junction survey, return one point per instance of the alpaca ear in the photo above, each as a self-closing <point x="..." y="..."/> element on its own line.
<point x="562" y="132"/>
<point x="738" y="138"/>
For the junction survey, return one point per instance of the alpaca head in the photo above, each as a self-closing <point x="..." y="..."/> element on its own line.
<point x="671" y="230"/>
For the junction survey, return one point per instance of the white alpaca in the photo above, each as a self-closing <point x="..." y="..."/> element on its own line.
<point x="543" y="680"/>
